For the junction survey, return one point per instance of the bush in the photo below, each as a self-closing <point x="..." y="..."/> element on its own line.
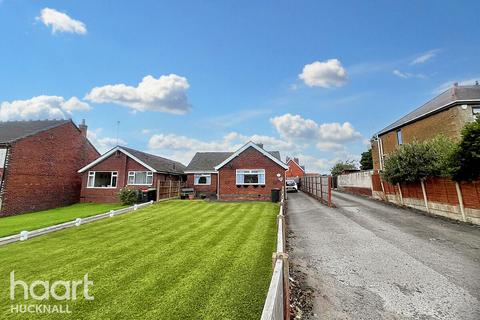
<point x="128" y="196"/>
<point x="465" y="161"/>
<point x="418" y="160"/>
<point x="340" y="166"/>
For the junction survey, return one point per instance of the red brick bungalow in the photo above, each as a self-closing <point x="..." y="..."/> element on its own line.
<point x="121" y="167"/>
<point x="295" y="170"/>
<point x="39" y="162"/>
<point x="250" y="173"/>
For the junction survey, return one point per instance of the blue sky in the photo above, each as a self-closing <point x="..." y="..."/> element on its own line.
<point x="312" y="79"/>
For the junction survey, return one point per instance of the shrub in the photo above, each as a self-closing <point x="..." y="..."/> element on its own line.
<point x="128" y="196"/>
<point x="418" y="160"/>
<point x="340" y="166"/>
<point x="465" y="161"/>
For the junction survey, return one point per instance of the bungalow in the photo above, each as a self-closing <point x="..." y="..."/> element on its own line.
<point x="250" y="173"/>
<point x="121" y="167"/>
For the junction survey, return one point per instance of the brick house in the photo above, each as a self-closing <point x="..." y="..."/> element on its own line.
<point x="250" y="173"/>
<point x="445" y="114"/>
<point x="295" y="170"/>
<point x="121" y="167"/>
<point x="39" y="162"/>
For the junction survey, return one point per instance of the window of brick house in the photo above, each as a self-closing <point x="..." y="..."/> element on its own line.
<point x="202" y="179"/>
<point x="141" y="178"/>
<point x="3" y="156"/>
<point x="399" y="137"/>
<point x="476" y="111"/>
<point x="250" y="176"/>
<point x="102" y="179"/>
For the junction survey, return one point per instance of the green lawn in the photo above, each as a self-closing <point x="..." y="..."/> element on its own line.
<point x="173" y="260"/>
<point x="30" y="221"/>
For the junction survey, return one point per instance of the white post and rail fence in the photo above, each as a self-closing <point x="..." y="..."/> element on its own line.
<point x="277" y="303"/>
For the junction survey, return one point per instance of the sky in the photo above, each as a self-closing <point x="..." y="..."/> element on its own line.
<point x="312" y="79"/>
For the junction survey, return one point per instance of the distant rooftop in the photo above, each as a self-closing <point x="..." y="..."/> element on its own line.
<point x="454" y="95"/>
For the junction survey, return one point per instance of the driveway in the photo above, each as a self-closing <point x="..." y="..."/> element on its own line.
<point x="369" y="260"/>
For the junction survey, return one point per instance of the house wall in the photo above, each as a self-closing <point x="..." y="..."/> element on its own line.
<point x="122" y="164"/>
<point x="41" y="172"/>
<point x="448" y="122"/>
<point x="210" y="190"/>
<point x="250" y="159"/>
<point x="294" y="170"/>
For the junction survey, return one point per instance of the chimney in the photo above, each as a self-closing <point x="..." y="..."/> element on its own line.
<point x="83" y="128"/>
<point x="296" y="160"/>
<point x="260" y="145"/>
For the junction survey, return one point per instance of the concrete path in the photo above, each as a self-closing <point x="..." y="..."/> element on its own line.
<point x="369" y="260"/>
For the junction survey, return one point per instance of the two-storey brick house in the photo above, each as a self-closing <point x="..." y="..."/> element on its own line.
<point x="445" y="114"/>
<point x="39" y="162"/>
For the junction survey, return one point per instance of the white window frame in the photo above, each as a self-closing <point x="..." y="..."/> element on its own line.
<point x="249" y="171"/>
<point x="476" y="111"/>
<point x="399" y="137"/>
<point x="93" y="173"/>
<point x="132" y="174"/>
<point x="197" y="176"/>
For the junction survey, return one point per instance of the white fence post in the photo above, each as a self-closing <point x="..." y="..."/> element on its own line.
<point x="78" y="222"/>
<point x="23" y="235"/>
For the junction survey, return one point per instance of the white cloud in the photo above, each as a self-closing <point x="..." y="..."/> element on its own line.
<point x="102" y="143"/>
<point x="41" y="107"/>
<point x="296" y="127"/>
<point x="230" y="142"/>
<point x="61" y="22"/>
<point x="168" y="94"/>
<point x="330" y="146"/>
<point x="424" y="57"/>
<point x="407" y="75"/>
<point x="325" y="74"/>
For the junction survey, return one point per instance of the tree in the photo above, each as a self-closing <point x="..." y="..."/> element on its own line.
<point x="466" y="158"/>
<point x="418" y="160"/>
<point x="340" y="166"/>
<point x="366" y="162"/>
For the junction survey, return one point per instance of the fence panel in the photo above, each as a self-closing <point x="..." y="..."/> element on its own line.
<point x="319" y="187"/>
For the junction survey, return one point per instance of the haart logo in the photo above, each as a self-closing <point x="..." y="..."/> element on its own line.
<point x="42" y="290"/>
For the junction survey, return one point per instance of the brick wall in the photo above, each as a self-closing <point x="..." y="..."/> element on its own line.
<point x="208" y="190"/>
<point x="294" y="170"/>
<point x="250" y="159"/>
<point x="42" y="170"/>
<point x="448" y="122"/>
<point x="122" y="164"/>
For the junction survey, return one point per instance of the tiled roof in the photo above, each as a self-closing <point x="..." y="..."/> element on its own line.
<point x="11" y="131"/>
<point x="448" y="98"/>
<point x="158" y="163"/>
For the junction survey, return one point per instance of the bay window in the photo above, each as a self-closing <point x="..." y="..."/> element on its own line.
<point x="250" y="176"/>
<point x="140" y="177"/>
<point x="102" y="179"/>
<point x="202" y="179"/>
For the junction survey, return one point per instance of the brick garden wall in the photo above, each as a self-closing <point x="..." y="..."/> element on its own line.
<point x="250" y="159"/>
<point x="42" y="170"/>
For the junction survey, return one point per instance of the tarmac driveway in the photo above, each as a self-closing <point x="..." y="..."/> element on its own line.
<point x="369" y="260"/>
